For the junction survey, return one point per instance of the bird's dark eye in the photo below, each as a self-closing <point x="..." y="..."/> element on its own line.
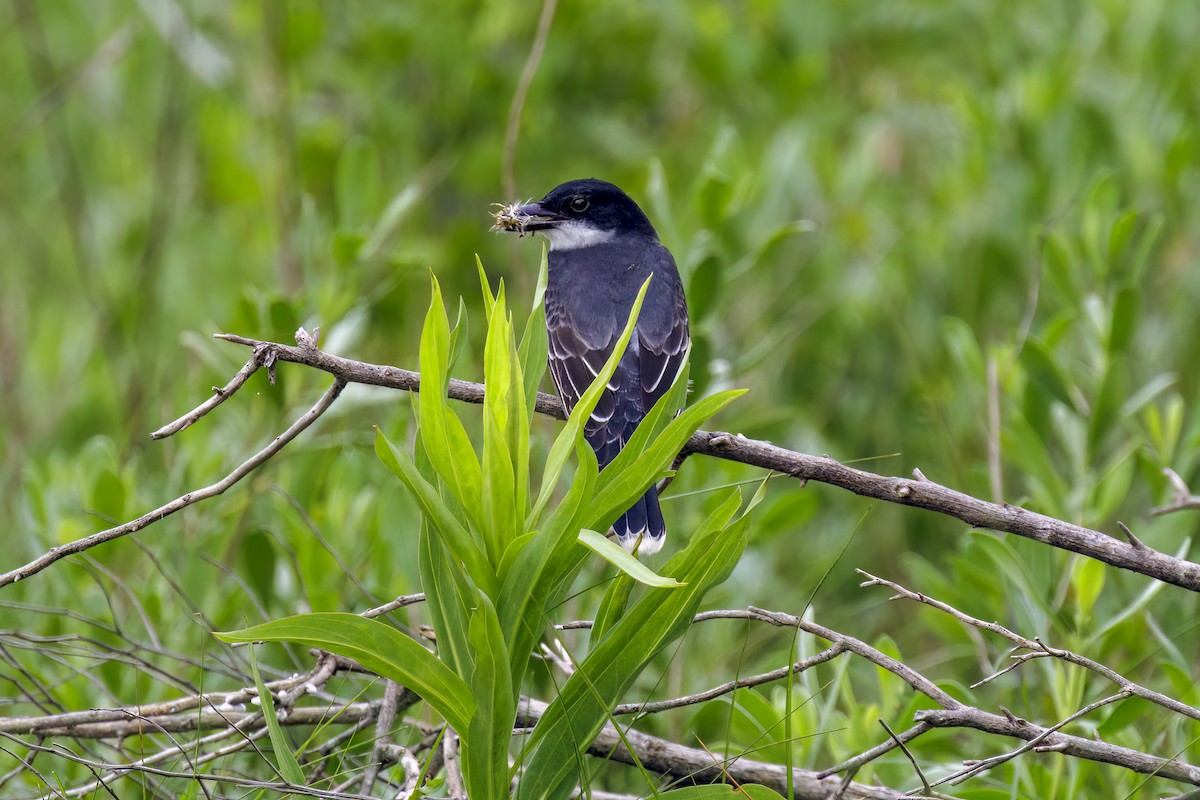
<point x="579" y="204"/>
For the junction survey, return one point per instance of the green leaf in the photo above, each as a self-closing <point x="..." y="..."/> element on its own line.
<point x="659" y="617"/>
<point x="1087" y="579"/>
<point x="1113" y="487"/>
<point x="450" y="596"/>
<point x="1059" y="263"/>
<point x="612" y="606"/>
<point x="534" y="345"/>
<point x="446" y="442"/>
<point x="704" y="285"/>
<point x="457" y="538"/>
<point x="1145" y="395"/>
<point x="256" y="553"/>
<point x="108" y="495"/>
<point x="485" y="748"/>
<point x="391" y="220"/>
<point x="289" y="767"/>
<point x="499" y="482"/>
<point x="1119" y="235"/>
<point x="536" y="574"/>
<point x="489" y="299"/>
<point x="622" y="560"/>
<point x="573" y="430"/>
<point x="380" y="648"/>
<point x="459" y="335"/>
<point x="632" y="473"/>
<point x="1125" y="714"/>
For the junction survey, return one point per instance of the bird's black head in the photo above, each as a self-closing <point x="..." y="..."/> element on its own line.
<point x="583" y="213"/>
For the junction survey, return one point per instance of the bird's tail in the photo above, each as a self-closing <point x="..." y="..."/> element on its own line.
<point x="643" y="519"/>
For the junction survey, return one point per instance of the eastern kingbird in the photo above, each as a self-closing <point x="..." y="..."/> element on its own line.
<point x="602" y="249"/>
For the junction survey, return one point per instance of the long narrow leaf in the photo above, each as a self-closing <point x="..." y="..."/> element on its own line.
<point x="380" y="648"/>
<point x="446" y="442"/>
<point x="532" y="581"/>
<point x="573" y="430"/>
<point x="457" y="538"/>
<point x="612" y="606"/>
<point x="616" y="555"/>
<point x="534" y="344"/>
<point x="486" y="749"/>
<point x="631" y="473"/>
<point x="289" y="767"/>
<point x="660" y="616"/>
<point x="500" y="524"/>
<point x="662" y="412"/>
<point x="450" y="596"/>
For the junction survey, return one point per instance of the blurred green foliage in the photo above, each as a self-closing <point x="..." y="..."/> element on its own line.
<point x="874" y="206"/>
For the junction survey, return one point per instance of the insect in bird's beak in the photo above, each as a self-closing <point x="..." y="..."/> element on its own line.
<point x="509" y="218"/>
<point x="522" y="218"/>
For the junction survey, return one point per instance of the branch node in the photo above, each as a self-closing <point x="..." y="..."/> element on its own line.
<point x="1013" y="718"/>
<point x="306" y="340"/>
<point x="919" y="475"/>
<point x="1134" y="541"/>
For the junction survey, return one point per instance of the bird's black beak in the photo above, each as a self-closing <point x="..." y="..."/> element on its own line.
<point x="535" y="217"/>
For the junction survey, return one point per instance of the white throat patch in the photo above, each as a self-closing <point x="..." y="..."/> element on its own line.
<point x="574" y="235"/>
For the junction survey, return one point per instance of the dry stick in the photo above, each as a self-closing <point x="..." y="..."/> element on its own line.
<point x="383" y="734"/>
<point x="725" y="688"/>
<point x="1184" y="500"/>
<point x="694" y="764"/>
<point x="1075" y="746"/>
<point x="919" y="493"/>
<point x="220" y="395"/>
<point x="976" y="767"/>
<point x="79" y="545"/>
<point x="400" y="602"/>
<point x="954" y="714"/>
<point x="232" y="780"/>
<point x="107" y="723"/>
<point x="928" y="790"/>
<point x="852" y="765"/>
<point x="1039" y="648"/>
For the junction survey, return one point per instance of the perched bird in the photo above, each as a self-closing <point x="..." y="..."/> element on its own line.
<point x="602" y="249"/>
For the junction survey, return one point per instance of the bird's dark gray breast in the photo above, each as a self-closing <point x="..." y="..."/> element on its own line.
<point x="592" y="290"/>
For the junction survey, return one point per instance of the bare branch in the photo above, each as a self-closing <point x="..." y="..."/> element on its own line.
<point x="399" y="602"/>
<point x="928" y="790"/>
<point x="383" y="734"/>
<point x="976" y="767"/>
<point x="742" y="683"/>
<point x="695" y="764"/>
<point x="1039" y="648"/>
<point x="918" y="493"/>
<point x="220" y="395"/>
<point x="860" y="648"/>
<point x="1076" y="746"/>
<point x="1184" y="500"/>
<point x="79" y="545"/>
<point x="852" y="765"/>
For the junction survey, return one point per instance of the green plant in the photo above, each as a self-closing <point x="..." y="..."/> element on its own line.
<point x="496" y="559"/>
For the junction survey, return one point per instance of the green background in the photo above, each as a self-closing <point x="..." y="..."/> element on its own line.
<point x="870" y="204"/>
